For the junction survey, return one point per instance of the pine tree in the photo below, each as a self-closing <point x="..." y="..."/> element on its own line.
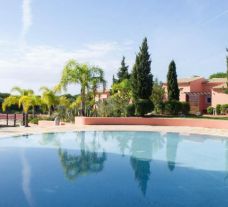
<point x="123" y="71"/>
<point x="141" y="78"/>
<point x="172" y="84"/>
<point x="113" y="79"/>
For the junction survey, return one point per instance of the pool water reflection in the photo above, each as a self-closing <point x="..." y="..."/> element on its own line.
<point x="114" y="169"/>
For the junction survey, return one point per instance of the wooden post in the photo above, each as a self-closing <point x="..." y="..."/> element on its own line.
<point x="15" y="119"/>
<point x="7" y="119"/>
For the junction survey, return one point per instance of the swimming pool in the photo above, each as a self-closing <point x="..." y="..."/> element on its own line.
<point x="99" y="169"/>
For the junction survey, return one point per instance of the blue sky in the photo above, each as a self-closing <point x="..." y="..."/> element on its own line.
<point x="37" y="37"/>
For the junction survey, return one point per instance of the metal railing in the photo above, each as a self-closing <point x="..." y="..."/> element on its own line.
<point x="12" y="119"/>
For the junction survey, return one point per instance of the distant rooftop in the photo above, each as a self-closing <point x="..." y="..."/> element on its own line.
<point x="189" y="79"/>
<point x="224" y="85"/>
<point x="218" y="80"/>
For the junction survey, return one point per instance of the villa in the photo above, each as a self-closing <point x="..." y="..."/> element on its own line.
<point x="201" y="93"/>
<point x="102" y="95"/>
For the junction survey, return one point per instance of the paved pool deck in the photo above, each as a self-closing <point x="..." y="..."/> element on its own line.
<point x="17" y="131"/>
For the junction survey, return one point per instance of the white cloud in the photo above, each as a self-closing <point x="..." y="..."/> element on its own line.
<point x="26" y="16"/>
<point x="35" y="66"/>
<point x="26" y="179"/>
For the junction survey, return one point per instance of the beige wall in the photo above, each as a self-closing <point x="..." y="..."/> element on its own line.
<point x="219" y="98"/>
<point x="183" y="89"/>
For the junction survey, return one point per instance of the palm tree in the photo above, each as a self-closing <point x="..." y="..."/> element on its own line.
<point x="9" y="101"/>
<point x="88" y="78"/>
<point x="22" y="92"/>
<point x="64" y="109"/>
<point x="26" y="99"/>
<point x="48" y="98"/>
<point x="97" y="79"/>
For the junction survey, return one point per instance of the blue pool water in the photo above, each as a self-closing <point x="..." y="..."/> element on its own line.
<point x="96" y="169"/>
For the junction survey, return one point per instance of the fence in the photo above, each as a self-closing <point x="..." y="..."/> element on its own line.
<point x="12" y="119"/>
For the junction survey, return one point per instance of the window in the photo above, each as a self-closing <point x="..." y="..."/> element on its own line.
<point x="208" y="100"/>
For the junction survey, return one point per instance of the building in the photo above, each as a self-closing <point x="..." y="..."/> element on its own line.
<point x="102" y="95"/>
<point x="201" y="93"/>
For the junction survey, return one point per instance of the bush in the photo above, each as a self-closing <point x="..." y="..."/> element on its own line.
<point x="210" y="110"/>
<point x="34" y="120"/>
<point x="130" y="110"/>
<point x="159" y="108"/>
<point x="185" y="108"/>
<point x="143" y="106"/>
<point x="173" y="107"/>
<point x="224" y="109"/>
<point x="218" y="109"/>
<point x="110" y="108"/>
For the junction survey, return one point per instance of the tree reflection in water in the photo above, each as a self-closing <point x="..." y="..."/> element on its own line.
<point x="142" y="172"/>
<point x="84" y="163"/>
<point x="171" y="149"/>
<point x="226" y="161"/>
<point x="88" y="161"/>
<point x="143" y="147"/>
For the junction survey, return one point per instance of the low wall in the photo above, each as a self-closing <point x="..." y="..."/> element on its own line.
<point x="46" y="123"/>
<point x="206" y="123"/>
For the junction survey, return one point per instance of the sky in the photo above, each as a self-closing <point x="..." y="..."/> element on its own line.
<point x="38" y="37"/>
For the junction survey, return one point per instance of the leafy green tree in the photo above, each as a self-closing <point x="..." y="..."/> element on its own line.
<point x="172" y="84"/>
<point x="123" y="71"/>
<point x="218" y="75"/>
<point x="88" y="77"/>
<point x="141" y="78"/>
<point x="157" y="96"/>
<point x="122" y="96"/>
<point x="48" y="98"/>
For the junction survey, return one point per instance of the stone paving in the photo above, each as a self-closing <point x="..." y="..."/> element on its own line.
<point x="16" y="131"/>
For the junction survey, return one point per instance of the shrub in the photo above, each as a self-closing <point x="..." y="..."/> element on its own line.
<point x="173" y="107"/>
<point x="34" y="120"/>
<point x="143" y="106"/>
<point x="130" y="110"/>
<point x="218" y="109"/>
<point x="159" y="108"/>
<point x="224" y="109"/>
<point x="185" y="108"/>
<point x="111" y="108"/>
<point x="210" y="110"/>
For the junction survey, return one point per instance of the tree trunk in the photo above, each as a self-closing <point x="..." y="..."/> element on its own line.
<point x="83" y="101"/>
<point x="26" y="119"/>
<point x="33" y="111"/>
<point x="49" y="111"/>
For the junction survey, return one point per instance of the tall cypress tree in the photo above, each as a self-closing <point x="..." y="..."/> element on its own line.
<point x="123" y="71"/>
<point x="141" y="78"/>
<point x="172" y="84"/>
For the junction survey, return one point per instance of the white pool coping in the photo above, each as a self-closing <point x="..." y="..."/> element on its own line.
<point x="17" y="131"/>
